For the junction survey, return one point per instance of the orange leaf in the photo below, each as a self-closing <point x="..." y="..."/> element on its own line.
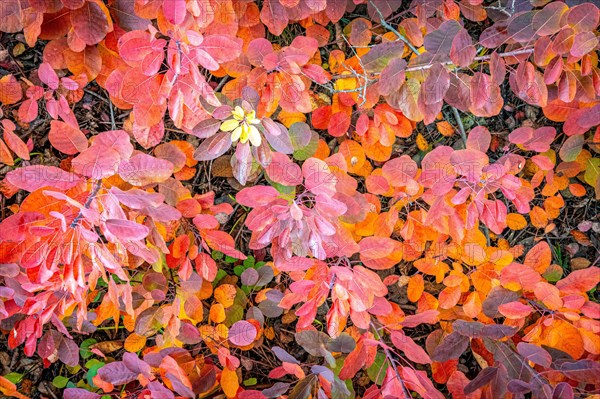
<point x="563" y="336"/>
<point x="229" y="382"/>
<point x="135" y="342"/>
<point x="10" y="90"/>
<point x="445" y="128"/>
<point x="416" y="285"/>
<point x="577" y="190"/>
<point x="354" y="155"/>
<point x="472" y="306"/>
<point x="516" y="221"/>
<point x="5" y="155"/>
<point x="538" y="217"/>
<point x="225" y="294"/>
<point x="217" y="313"/>
<point x="539" y="257"/>
<point x="548" y="294"/>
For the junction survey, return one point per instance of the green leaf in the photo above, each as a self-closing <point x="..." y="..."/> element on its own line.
<point x="92" y="371"/>
<point x="220" y="275"/>
<point x="15" y="378"/>
<point x="380" y="55"/>
<point x="300" y="135"/>
<point x="60" y="382"/>
<point x="249" y="261"/>
<point x="216" y="255"/>
<point x="233" y="314"/>
<point x="310" y="149"/>
<point x="84" y="348"/>
<point x="250" y="381"/>
<point x="378" y="369"/>
<point x="592" y="171"/>
<point x="93" y="363"/>
<point x="571" y="148"/>
<point x="553" y="273"/>
<point x="238" y="270"/>
<point x="230" y="259"/>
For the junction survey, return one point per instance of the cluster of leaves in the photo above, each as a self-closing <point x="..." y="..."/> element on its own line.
<point x="351" y="202"/>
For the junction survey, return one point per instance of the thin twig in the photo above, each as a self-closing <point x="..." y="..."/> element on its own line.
<point x="461" y="127"/>
<point x="113" y="124"/>
<point x="221" y="83"/>
<point x="424" y="67"/>
<point x="391" y="361"/>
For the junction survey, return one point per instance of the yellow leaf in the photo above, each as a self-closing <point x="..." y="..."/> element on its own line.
<point x="135" y="342"/>
<point x="422" y="143"/>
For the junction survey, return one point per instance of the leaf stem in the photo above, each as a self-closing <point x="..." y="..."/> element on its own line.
<point x="88" y="202"/>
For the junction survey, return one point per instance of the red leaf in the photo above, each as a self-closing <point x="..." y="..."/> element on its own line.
<point x="90" y="23"/>
<point x="274" y="16"/>
<point x="339" y="123"/>
<point x="412" y="351"/>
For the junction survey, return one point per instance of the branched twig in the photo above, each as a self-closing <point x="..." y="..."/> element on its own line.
<point x="389" y="27"/>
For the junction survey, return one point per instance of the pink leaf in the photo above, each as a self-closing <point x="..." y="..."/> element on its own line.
<point x="175" y="11"/>
<point x="31" y="178"/>
<point x="222" y="48"/>
<point x="213" y="147"/>
<point x="256" y="196"/>
<point x="96" y="163"/>
<point x="66" y="138"/>
<point x="143" y="169"/>
<point x="479" y="139"/>
<point x="242" y="333"/>
<point x="48" y="76"/>
<point x="284" y="171"/>
<point x="126" y="229"/>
